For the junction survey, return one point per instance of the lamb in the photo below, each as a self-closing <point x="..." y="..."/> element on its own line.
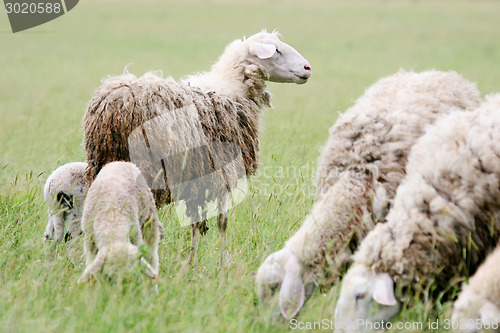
<point x="360" y="169"/>
<point x="193" y="140"/>
<point x="119" y="216"/>
<point x="64" y="194"/>
<point x="444" y="221"/>
<point x="478" y="306"/>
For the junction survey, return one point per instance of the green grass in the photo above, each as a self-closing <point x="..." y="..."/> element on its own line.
<point x="49" y="73"/>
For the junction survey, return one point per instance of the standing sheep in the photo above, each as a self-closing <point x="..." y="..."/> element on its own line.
<point x="478" y="305"/>
<point x="360" y="169"/>
<point x="193" y="139"/>
<point x="64" y="194"/>
<point x="119" y="215"/>
<point x="444" y="221"/>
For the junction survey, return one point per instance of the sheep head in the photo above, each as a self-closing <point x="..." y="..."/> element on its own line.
<point x="282" y="61"/>
<point x="365" y="295"/>
<point x="470" y="307"/>
<point x="74" y="222"/>
<point x="279" y="283"/>
<point x="114" y="258"/>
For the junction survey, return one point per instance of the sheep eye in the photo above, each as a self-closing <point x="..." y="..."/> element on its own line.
<point x="278" y="51"/>
<point x="360" y="297"/>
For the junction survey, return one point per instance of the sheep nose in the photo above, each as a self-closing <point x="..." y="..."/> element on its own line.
<point x="307" y="67"/>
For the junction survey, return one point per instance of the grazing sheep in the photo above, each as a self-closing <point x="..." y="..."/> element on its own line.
<point x="480" y="299"/>
<point x="193" y="139"/>
<point x="64" y="193"/>
<point x="119" y="215"/>
<point x="444" y="221"/>
<point x="360" y="169"/>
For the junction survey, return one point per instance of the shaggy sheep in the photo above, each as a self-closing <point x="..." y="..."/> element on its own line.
<point x="360" y="169"/>
<point x="478" y="306"/>
<point x="64" y="193"/>
<point x="444" y="221"/>
<point x="193" y="139"/>
<point x="118" y="216"/>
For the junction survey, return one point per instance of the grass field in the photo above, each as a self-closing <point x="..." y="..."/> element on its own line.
<point x="49" y="73"/>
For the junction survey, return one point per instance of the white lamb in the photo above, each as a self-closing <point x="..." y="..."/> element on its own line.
<point x="119" y="215"/>
<point x="360" y="169"/>
<point x="64" y="194"/>
<point x="445" y="219"/>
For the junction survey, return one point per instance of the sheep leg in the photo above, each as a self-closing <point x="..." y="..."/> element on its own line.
<point x="195" y="239"/>
<point x="49" y="229"/>
<point x="222" y="225"/>
<point x="151" y="234"/>
<point x="197" y="228"/>
<point x="50" y="247"/>
<point x="58" y="225"/>
<point x="203" y="226"/>
<point x="89" y="248"/>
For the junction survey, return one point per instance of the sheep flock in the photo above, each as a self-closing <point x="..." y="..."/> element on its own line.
<point x="408" y="186"/>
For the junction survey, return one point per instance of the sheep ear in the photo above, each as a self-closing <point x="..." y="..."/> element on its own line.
<point x="383" y="292"/>
<point x="262" y="51"/>
<point x="291" y="294"/>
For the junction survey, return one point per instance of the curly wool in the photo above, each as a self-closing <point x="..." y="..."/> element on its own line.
<point x="365" y="158"/>
<point x="124" y="103"/>
<point x="446" y="214"/>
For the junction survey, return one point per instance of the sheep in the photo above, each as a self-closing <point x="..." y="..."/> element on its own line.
<point x="64" y="194"/>
<point x="195" y="138"/>
<point x="478" y="305"/>
<point x="444" y="220"/>
<point x="359" y="171"/>
<point x="119" y="215"/>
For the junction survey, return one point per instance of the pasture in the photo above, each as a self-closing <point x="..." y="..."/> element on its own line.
<point x="49" y="73"/>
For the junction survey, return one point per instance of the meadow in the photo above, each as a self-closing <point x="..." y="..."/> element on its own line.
<point x="49" y="73"/>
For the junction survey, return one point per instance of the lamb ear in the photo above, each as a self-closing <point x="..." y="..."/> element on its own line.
<point x="262" y="51"/>
<point x="291" y="293"/>
<point x="383" y="292"/>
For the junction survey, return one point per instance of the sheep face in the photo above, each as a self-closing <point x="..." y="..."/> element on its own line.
<point x="471" y="309"/>
<point x="73" y="218"/>
<point x="115" y="258"/>
<point x="280" y="285"/>
<point x="282" y="61"/>
<point x="364" y="296"/>
<point x="63" y="209"/>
